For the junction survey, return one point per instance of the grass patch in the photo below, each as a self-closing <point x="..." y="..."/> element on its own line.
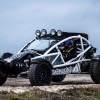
<point x="72" y="94"/>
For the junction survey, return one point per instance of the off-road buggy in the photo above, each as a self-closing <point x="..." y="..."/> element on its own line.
<point x="50" y="57"/>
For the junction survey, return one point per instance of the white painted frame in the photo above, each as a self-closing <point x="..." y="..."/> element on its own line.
<point x="77" y="60"/>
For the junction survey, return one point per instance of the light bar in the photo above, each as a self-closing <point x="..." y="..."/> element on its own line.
<point x="59" y="33"/>
<point x="43" y="32"/>
<point x="53" y="32"/>
<point x="38" y="33"/>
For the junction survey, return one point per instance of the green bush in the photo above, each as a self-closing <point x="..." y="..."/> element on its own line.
<point x="69" y="94"/>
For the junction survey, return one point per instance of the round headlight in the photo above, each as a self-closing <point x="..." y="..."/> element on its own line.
<point x="59" y="33"/>
<point x="53" y="32"/>
<point x="43" y="32"/>
<point x="38" y="33"/>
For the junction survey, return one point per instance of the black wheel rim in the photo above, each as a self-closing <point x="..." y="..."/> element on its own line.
<point x="43" y="73"/>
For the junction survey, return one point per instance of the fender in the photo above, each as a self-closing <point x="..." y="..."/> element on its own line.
<point x="96" y="58"/>
<point x="39" y="60"/>
<point x="3" y="66"/>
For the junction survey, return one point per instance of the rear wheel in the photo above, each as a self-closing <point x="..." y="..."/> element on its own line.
<point x="95" y="71"/>
<point x="40" y="74"/>
<point x="58" y="78"/>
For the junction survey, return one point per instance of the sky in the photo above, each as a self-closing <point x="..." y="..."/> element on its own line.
<point x="19" y="19"/>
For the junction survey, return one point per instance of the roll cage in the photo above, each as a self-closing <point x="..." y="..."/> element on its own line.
<point x="56" y="58"/>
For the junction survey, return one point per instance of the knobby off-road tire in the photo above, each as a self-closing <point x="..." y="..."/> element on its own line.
<point x="95" y="71"/>
<point x="58" y="78"/>
<point x="40" y="74"/>
<point x="2" y="79"/>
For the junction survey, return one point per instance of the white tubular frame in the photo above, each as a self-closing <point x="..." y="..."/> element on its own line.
<point x="77" y="60"/>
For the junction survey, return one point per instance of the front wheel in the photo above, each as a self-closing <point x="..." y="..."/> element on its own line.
<point x="3" y="79"/>
<point x="40" y="74"/>
<point x="95" y="71"/>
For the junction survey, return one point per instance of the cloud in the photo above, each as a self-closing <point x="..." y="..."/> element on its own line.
<point x="20" y="19"/>
<point x="49" y="9"/>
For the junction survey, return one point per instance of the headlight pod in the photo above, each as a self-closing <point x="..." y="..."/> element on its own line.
<point x="59" y="33"/>
<point x="53" y="32"/>
<point x="43" y="32"/>
<point x="38" y="33"/>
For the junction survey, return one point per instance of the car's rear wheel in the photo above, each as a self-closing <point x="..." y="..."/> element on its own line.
<point x="95" y="71"/>
<point x="58" y="78"/>
<point x="40" y="74"/>
<point x="3" y="79"/>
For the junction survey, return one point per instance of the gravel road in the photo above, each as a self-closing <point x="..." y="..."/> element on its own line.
<point x="20" y="85"/>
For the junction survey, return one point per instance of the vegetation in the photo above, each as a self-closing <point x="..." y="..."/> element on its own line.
<point x="72" y="94"/>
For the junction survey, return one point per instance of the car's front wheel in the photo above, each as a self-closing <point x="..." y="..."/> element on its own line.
<point x="40" y="74"/>
<point x="3" y="79"/>
<point x="95" y="71"/>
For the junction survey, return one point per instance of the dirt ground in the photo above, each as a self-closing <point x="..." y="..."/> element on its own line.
<point x="20" y="85"/>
